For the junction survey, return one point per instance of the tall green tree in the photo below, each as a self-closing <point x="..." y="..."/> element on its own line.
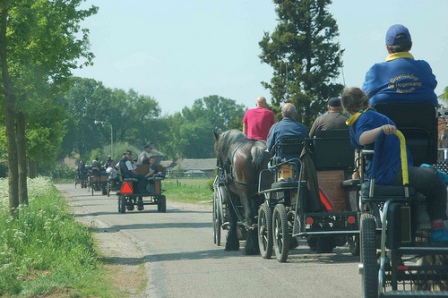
<point x="194" y="127"/>
<point x="133" y="117"/>
<point x="305" y="56"/>
<point x="40" y="43"/>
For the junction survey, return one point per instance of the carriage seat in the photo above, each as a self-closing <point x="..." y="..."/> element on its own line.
<point x="419" y="124"/>
<point x="334" y="158"/>
<point x="287" y="148"/>
<point x="286" y="158"/>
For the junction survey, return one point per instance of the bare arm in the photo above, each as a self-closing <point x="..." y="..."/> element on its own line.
<point x="369" y="136"/>
<point x="244" y="128"/>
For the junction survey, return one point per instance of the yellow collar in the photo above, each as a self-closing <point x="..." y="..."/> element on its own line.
<point x="398" y="55"/>
<point x="352" y="120"/>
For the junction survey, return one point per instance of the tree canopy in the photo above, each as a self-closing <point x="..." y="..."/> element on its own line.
<point x="305" y="56"/>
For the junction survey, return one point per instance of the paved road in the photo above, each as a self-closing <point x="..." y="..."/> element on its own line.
<point x="182" y="260"/>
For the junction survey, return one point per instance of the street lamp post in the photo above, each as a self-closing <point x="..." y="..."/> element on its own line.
<point x="111" y="136"/>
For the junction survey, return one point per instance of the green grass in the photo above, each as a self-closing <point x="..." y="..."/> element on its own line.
<point x="44" y="248"/>
<point x="193" y="191"/>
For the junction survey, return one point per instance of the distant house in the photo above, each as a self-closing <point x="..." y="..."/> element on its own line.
<point x="204" y="167"/>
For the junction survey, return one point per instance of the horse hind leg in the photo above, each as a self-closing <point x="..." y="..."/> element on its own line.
<point x="252" y="247"/>
<point x="232" y="243"/>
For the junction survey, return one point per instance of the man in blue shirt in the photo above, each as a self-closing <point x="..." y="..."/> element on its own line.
<point x="401" y="78"/>
<point x="288" y="126"/>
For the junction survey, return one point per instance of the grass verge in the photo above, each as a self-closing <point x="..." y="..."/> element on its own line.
<point x="192" y="191"/>
<point x="44" y="251"/>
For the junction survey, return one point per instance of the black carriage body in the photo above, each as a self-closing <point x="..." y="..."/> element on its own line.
<point x="130" y="197"/>
<point x="397" y="258"/>
<point x="301" y="200"/>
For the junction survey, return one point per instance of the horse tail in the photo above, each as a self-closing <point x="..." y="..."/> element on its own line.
<point x="260" y="157"/>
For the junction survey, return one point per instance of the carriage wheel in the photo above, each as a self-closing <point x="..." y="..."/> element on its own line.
<point x="265" y="230"/>
<point x="368" y="256"/>
<point x="161" y="203"/>
<point x="121" y="204"/>
<point x="217" y="217"/>
<point x="353" y="245"/>
<point x="109" y="187"/>
<point x="104" y="189"/>
<point x="280" y="232"/>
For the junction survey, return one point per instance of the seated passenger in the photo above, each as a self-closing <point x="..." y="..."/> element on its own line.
<point x="81" y="169"/>
<point x="112" y="172"/>
<point x="365" y="125"/>
<point x="143" y="157"/>
<point x="287" y="127"/>
<point x="128" y="170"/>
<point x="152" y="170"/>
<point x="401" y="78"/>
<point x="334" y="119"/>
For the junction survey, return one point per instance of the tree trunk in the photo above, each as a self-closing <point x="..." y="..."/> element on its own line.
<point x="21" y="154"/>
<point x="13" y="172"/>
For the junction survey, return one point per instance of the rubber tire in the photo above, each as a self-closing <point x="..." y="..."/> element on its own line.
<point x="369" y="276"/>
<point x="265" y="241"/>
<point x="161" y="203"/>
<point x="109" y="188"/>
<point x="217" y="218"/>
<point x="280" y="233"/>
<point x="104" y="190"/>
<point x="121" y="204"/>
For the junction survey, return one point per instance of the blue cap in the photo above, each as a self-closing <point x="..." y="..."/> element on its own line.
<point x="394" y="31"/>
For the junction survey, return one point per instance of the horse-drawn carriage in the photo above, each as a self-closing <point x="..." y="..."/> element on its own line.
<point x="296" y="206"/>
<point x="379" y="222"/>
<point x="130" y="197"/>
<point x="98" y="180"/>
<point x="81" y="178"/>
<point x="279" y="194"/>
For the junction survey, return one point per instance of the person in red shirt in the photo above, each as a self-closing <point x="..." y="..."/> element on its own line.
<point x="258" y="121"/>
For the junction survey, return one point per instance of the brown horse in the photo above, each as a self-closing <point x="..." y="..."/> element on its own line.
<point x="241" y="161"/>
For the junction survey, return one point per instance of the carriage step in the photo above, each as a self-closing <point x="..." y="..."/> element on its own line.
<point x="429" y="250"/>
<point x="414" y="294"/>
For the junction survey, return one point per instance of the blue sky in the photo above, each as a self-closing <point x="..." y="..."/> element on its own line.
<point x="178" y="51"/>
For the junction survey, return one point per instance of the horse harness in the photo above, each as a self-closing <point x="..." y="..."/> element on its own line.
<point x="226" y="176"/>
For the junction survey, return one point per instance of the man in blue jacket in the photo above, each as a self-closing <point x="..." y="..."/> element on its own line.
<point x="287" y="127"/>
<point x="401" y="78"/>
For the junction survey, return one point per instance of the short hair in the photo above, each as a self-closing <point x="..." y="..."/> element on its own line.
<point x="401" y="47"/>
<point x="354" y="100"/>
<point x="289" y="110"/>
